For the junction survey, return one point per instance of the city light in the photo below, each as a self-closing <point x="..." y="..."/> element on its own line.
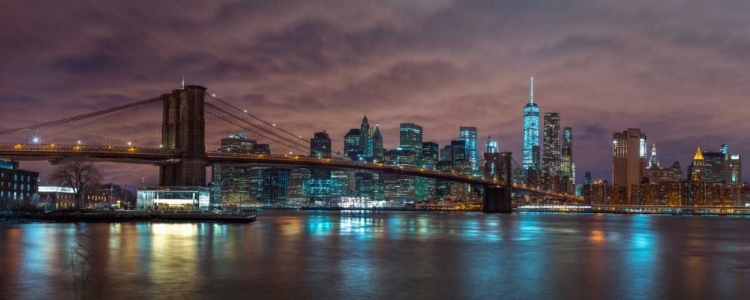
<point x="35" y="139"/>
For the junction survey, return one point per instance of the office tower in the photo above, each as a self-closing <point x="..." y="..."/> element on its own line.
<point x="352" y="145"/>
<point x="551" y="147"/>
<point x="469" y="135"/>
<point x="734" y="170"/>
<point x="491" y="146"/>
<point x="411" y="137"/>
<point x="298" y="189"/>
<point x="365" y="139"/>
<point x="459" y="151"/>
<point x="536" y="163"/>
<point x="377" y="144"/>
<point x="713" y="164"/>
<point x="628" y="159"/>
<point x="275" y="182"/>
<point x="233" y="185"/>
<point x="587" y="178"/>
<point x="446" y="154"/>
<point x="320" y="145"/>
<point x="530" y="131"/>
<point x="698" y="168"/>
<point x="567" y="154"/>
<point x="431" y="151"/>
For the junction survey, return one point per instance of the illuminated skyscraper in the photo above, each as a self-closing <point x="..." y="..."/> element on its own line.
<point x="352" y="144"/>
<point x="551" y="148"/>
<point x="469" y="134"/>
<point x="411" y="137"/>
<point x="698" y="168"/>
<point x="734" y="170"/>
<point x="491" y="146"/>
<point x="628" y="158"/>
<point x="377" y="144"/>
<point x="530" y="131"/>
<point x="567" y="154"/>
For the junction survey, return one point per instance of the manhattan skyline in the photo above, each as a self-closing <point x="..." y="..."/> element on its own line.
<point x="674" y="70"/>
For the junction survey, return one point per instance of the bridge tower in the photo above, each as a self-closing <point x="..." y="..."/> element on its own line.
<point x="497" y="199"/>
<point x="184" y="130"/>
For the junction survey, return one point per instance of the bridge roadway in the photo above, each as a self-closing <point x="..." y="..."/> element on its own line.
<point x="160" y="156"/>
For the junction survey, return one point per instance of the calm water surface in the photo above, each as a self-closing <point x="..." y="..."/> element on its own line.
<point x="394" y="255"/>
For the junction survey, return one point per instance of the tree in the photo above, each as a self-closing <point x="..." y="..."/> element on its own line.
<point x="77" y="173"/>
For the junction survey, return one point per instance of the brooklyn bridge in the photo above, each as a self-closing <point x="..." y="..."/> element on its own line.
<point x="191" y="121"/>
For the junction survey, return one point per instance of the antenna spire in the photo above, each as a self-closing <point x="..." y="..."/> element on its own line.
<point x="183" y="82"/>
<point x="531" y="100"/>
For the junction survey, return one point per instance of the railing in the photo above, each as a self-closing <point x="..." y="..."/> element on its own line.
<point x="84" y="149"/>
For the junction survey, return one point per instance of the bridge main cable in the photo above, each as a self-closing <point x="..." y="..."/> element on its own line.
<point x="286" y="141"/>
<point x="81" y="117"/>
<point x="259" y="119"/>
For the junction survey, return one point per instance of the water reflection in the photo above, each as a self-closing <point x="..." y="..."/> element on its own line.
<point x="328" y="255"/>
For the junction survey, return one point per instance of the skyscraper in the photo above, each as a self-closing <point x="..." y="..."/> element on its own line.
<point x="734" y="170"/>
<point x="411" y="137"/>
<point x="530" y="131"/>
<point x="628" y="158"/>
<point x="653" y="162"/>
<point x="567" y="154"/>
<point x="352" y="144"/>
<point x="551" y="147"/>
<point x="491" y="146"/>
<point x="714" y="165"/>
<point x="320" y="145"/>
<point x="377" y="144"/>
<point x="698" y="168"/>
<point x="469" y="134"/>
<point x="431" y="151"/>
<point x="365" y="138"/>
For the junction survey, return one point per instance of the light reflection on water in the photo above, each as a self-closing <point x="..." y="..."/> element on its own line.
<point x="400" y="255"/>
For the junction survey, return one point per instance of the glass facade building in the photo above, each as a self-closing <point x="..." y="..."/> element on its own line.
<point x="411" y="137"/>
<point x="551" y="149"/>
<point x="567" y="153"/>
<point x="320" y="145"/>
<point x="530" y="132"/>
<point x="469" y="135"/>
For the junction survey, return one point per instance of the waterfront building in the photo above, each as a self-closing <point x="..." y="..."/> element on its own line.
<point x="628" y="160"/>
<point x="530" y="132"/>
<point x="232" y="185"/>
<point x="551" y="147"/>
<point x="469" y="135"/>
<point x="17" y="184"/>
<point x="298" y="189"/>
<point x="320" y="145"/>
<point x="411" y="137"/>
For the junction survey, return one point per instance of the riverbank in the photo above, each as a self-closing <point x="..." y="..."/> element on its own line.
<point x="136" y="216"/>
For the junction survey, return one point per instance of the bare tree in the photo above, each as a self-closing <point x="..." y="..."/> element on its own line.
<point x="76" y="173"/>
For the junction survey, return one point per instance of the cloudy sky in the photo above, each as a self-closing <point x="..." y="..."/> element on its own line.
<point x="676" y="69"/>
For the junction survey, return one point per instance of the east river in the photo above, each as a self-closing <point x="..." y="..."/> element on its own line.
<point x="382" y="255"/>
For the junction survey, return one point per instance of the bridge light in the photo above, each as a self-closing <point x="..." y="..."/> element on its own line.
<point x="35" y="139"/>
<point x="274" y="124"/>
<point x="79" y="142"/>
<point x="130" y="144"/>
<point x="245" y="111"/>
<point x="161" y="146"/>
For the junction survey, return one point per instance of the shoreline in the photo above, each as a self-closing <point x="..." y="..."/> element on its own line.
<point x="131" y="216"/>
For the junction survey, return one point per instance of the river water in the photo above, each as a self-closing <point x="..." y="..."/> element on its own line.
<point x="388" y="255"/>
